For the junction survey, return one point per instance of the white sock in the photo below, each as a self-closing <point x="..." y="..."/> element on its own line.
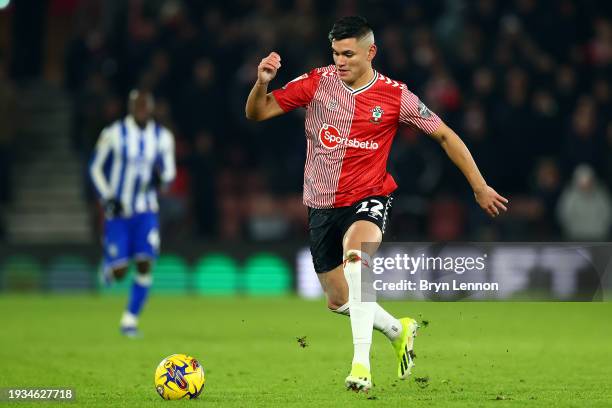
<point x="144" y="279"/>
<point x="343" y="310"/>
<point x="129" y="320"/>
<point x="384" y="322"/>
<point x="362" y="313"/>
<point x="361" y="354"/>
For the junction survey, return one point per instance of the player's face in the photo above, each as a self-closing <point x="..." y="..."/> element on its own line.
<point x="141" y="107"/>
<point x="353" y="58"/>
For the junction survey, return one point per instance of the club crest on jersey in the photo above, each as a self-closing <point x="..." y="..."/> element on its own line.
<point x="330" y="138"/>
<point x="377" y="113"/>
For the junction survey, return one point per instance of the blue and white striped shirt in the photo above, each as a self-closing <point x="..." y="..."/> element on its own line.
<point x="123" y="163"/>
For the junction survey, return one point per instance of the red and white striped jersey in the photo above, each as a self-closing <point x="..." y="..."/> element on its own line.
<point x="349" y="133"/>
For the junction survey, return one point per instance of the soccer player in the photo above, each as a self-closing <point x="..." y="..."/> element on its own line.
<point x="352" y="115"/>
<point x="133" y="159"/>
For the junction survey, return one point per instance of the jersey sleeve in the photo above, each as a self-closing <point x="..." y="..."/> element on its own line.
<point x="103" y="148"/>
<point x="167" y="161"/>
<point x="297" y="93"/>
<point x="414" y="113"/>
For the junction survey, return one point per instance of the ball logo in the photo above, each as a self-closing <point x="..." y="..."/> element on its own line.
<point x="171" y="368"/>
<point x="330" y="138"/>
<point x="179" y="379"/>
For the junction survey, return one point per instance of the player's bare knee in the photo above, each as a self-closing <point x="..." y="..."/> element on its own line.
<point x="120" y="272"/>
<point x="143" y="267"/>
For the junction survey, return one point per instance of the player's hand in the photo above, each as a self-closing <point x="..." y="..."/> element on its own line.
<point x="112" y="208"/>
<point x="156" y="180"/>
<point x="490" y="201"/>
<point x="266" y="71"/>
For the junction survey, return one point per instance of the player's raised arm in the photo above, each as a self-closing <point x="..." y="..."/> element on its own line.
<point x="488" y="199"/>
<point x="261" y="104"/>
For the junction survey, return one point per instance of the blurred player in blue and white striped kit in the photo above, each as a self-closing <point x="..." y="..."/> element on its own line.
<point x="133" y="159"/>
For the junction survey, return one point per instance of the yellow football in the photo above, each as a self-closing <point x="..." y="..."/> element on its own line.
<point x="179" y="376"/>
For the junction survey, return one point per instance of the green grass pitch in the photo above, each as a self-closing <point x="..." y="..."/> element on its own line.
<point x="469" y="355"/>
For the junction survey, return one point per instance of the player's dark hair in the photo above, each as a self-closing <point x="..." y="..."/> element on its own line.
<point x="350" y="27"/>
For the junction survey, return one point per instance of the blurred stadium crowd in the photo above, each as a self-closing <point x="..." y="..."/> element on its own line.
<point x="525" y="83"/>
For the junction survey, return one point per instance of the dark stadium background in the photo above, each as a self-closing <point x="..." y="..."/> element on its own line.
<point x="525" y="83"/>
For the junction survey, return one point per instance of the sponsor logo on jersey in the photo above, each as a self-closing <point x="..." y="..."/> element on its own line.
<point x="377" y="113"/>
<point x="332" y="105"/>
<point x="330" y="138"/>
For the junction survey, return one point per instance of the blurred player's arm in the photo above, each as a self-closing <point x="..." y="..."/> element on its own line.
<point x="488" y="199"/>
<point x="261" y="104"/>
<point x="110" y="204"/>
<point x="164" y="171"/>
<point x="101" y="152"/>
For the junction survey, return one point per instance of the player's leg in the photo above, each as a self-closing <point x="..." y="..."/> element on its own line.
<point x="144" y="236"/>
<point x="336" y="291"/>
<point x="359" y="244"/>
<point x="325" y="239"/>
<point x="119" y="272"/>
<point x="383" y="320"/>
<point x="116" y="258"/>
<point x="361" y="240"/>
<point x="335" y="288"/>
<point x="325" y="232"/>
<point x="139" y="292"/>
<point x="326" y="236"/>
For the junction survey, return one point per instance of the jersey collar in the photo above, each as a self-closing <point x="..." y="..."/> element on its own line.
<point x="363" y="88"/>
<point x="131" y="122"/>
